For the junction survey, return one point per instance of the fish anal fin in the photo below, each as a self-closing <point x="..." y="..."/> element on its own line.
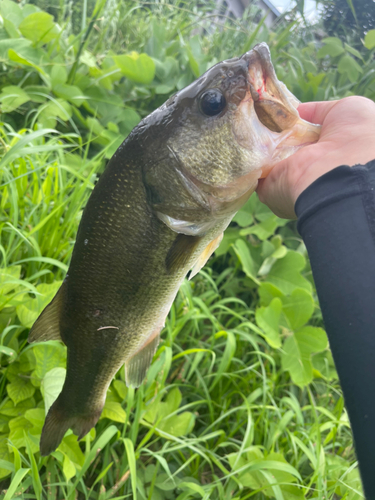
<point x="205" y="255"/>
<point x="181" y="251"/>
<point x="47" y="327"/>
<point x="136" y="367"/>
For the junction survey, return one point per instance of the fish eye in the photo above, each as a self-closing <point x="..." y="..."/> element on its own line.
<point x="212" y="102"/>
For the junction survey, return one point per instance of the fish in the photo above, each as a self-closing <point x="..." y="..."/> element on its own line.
<point x="158" y="211"/>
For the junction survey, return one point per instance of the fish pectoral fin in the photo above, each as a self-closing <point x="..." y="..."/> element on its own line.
<point x="205" y="255"/>
<point x="136" y="367"/>
<point x="180" y="252"/>
<point x="47" y="327"/>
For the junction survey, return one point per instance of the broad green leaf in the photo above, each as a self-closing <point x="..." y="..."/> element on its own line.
<point x="6" y="461"/>
<point x="264" y="229"/>
<point x="29" y="311"/>
<point x="20" y="389"/>
<point x="121" y="388"/>
<point x="244" y="256"/>
<point x="163" y="481"/>
<point x="285" y="273"/>
<point x="94" y="125"/>
<point x="159" y="412"/>
<point x="167" y="69"/>
<point x="184" y="485"/>
<point x="12" y="97"/>
<point x="114" y="411"/>
<point x="349" y="65"/>
<point x="347" y="483"/>
<point x="17" y="368"/>
<point x="11" y="29"/>
<point x="16" y="44"/>
<point x="27" y="361"/>
<point x="370" y="39"/>
<point x="11" y="410"/>
<point x="8" y="274"/>
<point x="8" y="351"/>
<point x="333" y="47"/>
<point x="18" y="58"/>
<point x="194" y="66"/>
<point x="17" y="427"/>
<point x="237" y="462"/>
<point x="353" y="51"/>
<point x="112" y="396"/>
<point x="325" y="366"/>
<point x="231" y="235"/>
<point x="36" y="417"/>
<point x="129" y="119"/>
<point x="58" y="108"/>
<point x="291" y="492"/>
<point x="298" y="308"/>
<point x="39" y="27"/>
<point x="53" y="382"/>
<point x="59" y="75"/>
<point x="267" y="319"/>
<point x="280" y="471"/>
<point x="267" y="292"/>
<point x="163" y="89"/>
<point x="37" y="93"/>
<point x="69" y="469"/>
<point x="88" y="59"/>
<point x="139" y="68"/>
<point x="243" y="218"/>
<point x="297" y="351"/>
<point x="48" y="355"/>
<point x="70" y="93"/>
<point x="178" y="425"/>
<point x="12" y="11"/>
<point x="70" y="447"/>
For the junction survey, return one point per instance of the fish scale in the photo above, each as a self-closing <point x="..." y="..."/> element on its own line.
<point x="159" y="210"/>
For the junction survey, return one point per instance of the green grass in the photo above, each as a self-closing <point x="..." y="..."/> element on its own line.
<point x="218" y="416"/>
<point x="232" y="407"/>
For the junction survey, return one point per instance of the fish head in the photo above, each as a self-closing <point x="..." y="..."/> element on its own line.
<point x="222" y="133"/>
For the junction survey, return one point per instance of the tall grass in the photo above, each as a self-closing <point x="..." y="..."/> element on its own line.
<point x="221" y="415"/>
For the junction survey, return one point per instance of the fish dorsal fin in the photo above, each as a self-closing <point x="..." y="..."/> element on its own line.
<point x="180" y="252"/>
<point x="136" y="367"/>
<point x="205" y="255"/>
<point x="47" y="327"/>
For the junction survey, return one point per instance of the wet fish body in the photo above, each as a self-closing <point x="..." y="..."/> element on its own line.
<point x="158" y="211"/>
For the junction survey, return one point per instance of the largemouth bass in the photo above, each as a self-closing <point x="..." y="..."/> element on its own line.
<point x="158" y="211"/>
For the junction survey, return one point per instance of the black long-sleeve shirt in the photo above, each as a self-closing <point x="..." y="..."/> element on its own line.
<point x="337" y="223"/>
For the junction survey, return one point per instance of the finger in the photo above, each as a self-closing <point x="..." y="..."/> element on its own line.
<point x="315" y="112"/>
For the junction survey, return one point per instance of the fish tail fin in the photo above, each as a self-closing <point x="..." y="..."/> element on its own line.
<point x="58" y="421"/>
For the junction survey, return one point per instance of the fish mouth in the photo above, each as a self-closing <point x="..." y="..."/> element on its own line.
<point x="276" y="107"/>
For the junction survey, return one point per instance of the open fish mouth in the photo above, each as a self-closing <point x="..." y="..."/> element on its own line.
<point x="275" y="108"/>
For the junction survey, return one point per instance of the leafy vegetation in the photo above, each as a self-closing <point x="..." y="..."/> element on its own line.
<point x="242" y="399"/>
<point x="347" y="16"/>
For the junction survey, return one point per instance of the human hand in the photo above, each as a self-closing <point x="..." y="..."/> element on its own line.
<point x="347" y="138"/>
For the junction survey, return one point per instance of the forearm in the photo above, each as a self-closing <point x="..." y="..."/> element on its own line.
<point x="337" y="222"/>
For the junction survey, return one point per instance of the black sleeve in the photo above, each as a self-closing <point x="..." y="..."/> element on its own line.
<point x="337" y="223"/>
